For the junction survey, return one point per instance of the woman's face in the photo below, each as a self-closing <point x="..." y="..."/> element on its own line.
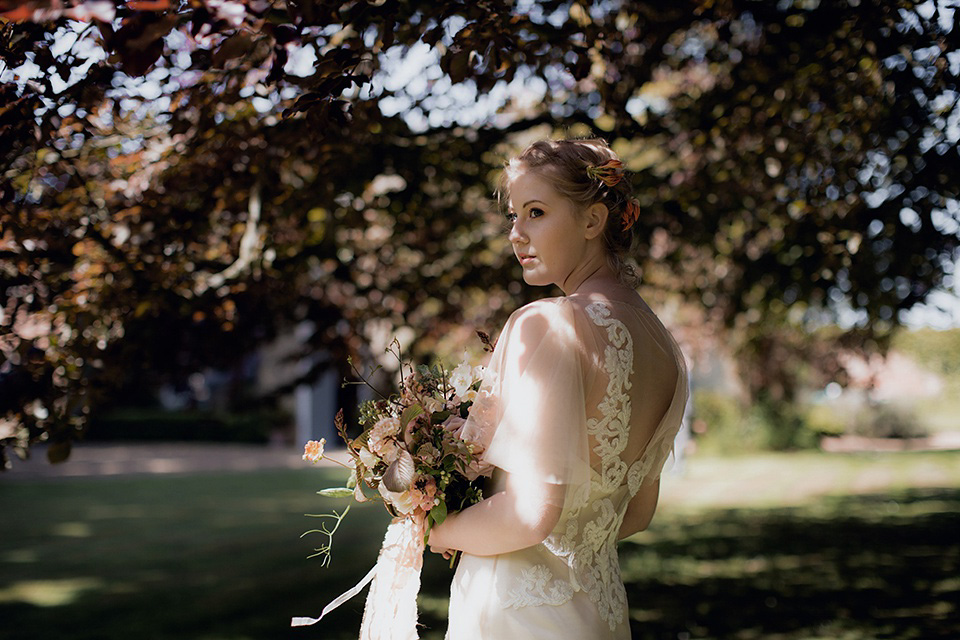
<point x="547" y="234"/>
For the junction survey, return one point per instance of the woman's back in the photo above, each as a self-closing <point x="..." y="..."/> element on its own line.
<point x="592" y="389"/>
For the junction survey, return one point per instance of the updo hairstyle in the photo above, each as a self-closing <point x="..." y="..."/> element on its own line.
<point x="565" y="163"/>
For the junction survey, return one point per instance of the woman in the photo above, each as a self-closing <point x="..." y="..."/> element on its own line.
<point x="577" y="413"/>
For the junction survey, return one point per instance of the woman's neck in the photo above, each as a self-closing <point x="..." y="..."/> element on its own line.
<point x="594" y="275"/>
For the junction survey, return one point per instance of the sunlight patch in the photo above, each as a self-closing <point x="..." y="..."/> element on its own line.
<point x="73" y="530"/>
<point x="435" y="605"/>
<point x="48" y="593"/>
<point x="20" y="556"/>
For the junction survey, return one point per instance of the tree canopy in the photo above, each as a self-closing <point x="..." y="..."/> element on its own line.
<point x="182" y="180"/>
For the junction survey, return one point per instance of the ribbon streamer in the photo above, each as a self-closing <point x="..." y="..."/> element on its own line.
<point x="339" y="600"/>
<point x="390" y="612"/>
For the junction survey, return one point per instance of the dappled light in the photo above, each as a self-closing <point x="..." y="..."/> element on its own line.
<point x="220" y="555"/>
<point x="48" y="593"/>
<point x="849" y="568"/>
<point x="193" y="193"/>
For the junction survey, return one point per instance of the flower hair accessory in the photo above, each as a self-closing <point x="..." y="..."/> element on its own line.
<point x="631" y="213"/>
<point x="609" y="173"/>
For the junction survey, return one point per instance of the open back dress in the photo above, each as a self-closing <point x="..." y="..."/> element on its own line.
<point x="588" y="392"/>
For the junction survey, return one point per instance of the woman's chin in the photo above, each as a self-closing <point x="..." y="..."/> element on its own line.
<point x="534" y="280"/>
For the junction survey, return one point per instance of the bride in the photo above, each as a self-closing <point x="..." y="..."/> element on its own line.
<point x="577" y="412"/>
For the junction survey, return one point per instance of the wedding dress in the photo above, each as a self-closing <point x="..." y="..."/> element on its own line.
<point x="585" y="391"/>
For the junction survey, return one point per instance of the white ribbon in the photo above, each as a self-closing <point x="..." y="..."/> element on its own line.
<point x="306" y="622"/>
<point x="390" y="612"/>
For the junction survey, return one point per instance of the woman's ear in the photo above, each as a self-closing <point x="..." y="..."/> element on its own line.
<point x="596" y="218"/>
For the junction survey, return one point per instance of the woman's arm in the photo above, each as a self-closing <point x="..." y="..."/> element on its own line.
<point x="640" y="510"/>
<point x="520" y="516"/>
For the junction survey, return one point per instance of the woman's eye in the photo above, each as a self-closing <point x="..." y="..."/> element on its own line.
<point x="511" y="217"/>
<point x="536" y="213"/>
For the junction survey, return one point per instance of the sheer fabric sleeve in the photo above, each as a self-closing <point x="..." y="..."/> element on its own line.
<point x="530" y="415"/>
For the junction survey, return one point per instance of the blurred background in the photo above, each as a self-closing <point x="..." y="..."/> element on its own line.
<point x="209" y="206"/>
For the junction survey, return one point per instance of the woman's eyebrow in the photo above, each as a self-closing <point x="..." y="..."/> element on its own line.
<point x="532" y="201"/>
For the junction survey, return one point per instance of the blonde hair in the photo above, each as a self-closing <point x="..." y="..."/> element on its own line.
<point x="565" y="163"/>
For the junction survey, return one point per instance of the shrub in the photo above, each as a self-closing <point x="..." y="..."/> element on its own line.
<point x="730" y="427"/>
<point x="783" y="424"/>
<point x="887" y="421"/>
<point x="140" y="424"/>
<point x="825" y="420"/>
<point x="722" y="424"/>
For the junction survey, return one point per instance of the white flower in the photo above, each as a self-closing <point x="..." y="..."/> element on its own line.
<point x="368" y="459"/>
<point x="402" y="502"/>
<point x="432" y="405"/>
<point x="470" y="395"/>
<point x="461" y="378"/>
<point x="389" y="450"/>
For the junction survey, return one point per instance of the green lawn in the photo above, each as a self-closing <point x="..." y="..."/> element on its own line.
<point x="790" y="546"/>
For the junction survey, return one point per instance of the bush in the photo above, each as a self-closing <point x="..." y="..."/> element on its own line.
<point x="826" y="420"/>
<point x="141" y="424"/>
<point x="784" y="425"/>
<point x="887" y="421"/>
<point x="722" y="425"/>
<point x="729" y="427"/>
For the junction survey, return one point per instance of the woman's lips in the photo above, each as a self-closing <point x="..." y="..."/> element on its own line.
<point x="525" y="259"/>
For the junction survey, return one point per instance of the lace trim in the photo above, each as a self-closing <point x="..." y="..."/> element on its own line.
<point x="612" y="429"/>
<point x="588" y="539"/>
<point x="537" y="586"/>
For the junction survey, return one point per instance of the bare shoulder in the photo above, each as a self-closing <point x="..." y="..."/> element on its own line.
<point x="547" y="313"/>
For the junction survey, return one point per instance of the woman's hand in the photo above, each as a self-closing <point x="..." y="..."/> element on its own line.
<point x="437" y="542"/>
<point x="443" y="551"/>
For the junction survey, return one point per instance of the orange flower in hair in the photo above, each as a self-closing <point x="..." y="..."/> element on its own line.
<point x="609" y="173"/>
<point x="631" y="213"/>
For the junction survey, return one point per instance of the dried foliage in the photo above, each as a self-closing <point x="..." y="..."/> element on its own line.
<point x="175" y="190"/>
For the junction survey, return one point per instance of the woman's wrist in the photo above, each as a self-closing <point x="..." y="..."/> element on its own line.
<point x="439" y="534"/>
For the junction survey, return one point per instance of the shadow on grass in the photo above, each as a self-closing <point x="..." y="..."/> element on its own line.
<point x="219" y="558"/>
<point x="852" y="567"/>
<point x="861" y="567"/>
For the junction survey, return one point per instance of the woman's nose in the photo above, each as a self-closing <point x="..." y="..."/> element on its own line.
<point x="516" y="235"/>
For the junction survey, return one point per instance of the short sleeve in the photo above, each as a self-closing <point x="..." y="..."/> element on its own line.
<point x="530" y="414"/>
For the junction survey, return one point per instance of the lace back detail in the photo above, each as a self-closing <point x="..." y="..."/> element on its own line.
<point x="586" y="539"/>
<point x="537" y="586"/>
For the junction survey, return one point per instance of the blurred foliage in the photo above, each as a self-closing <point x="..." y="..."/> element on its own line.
<point x="936" y="350"/>
<point x="722" y="424"/>
<point x="727" y="425"/>
<point x="175" y="192"/>
<point x="140" y="424"/>
<point x="827" y="420"/>
<point x="784" y="424"/>
<point x="887" y="421"/>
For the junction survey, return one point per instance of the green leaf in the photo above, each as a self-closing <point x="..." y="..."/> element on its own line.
<point x="336" y="492"/>
<point x="409" y="414"/>
<point x="439" y="512"/>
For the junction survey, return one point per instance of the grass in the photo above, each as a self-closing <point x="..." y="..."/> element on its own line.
<point x="787" y="546"/>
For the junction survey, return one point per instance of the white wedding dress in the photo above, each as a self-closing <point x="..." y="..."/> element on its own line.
<point x="587" y="392"/>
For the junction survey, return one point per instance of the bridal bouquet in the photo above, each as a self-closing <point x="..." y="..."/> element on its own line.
<point x="412" y="452"/>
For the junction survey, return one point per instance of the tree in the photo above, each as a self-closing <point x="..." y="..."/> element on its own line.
<point x="176" y="188"/>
